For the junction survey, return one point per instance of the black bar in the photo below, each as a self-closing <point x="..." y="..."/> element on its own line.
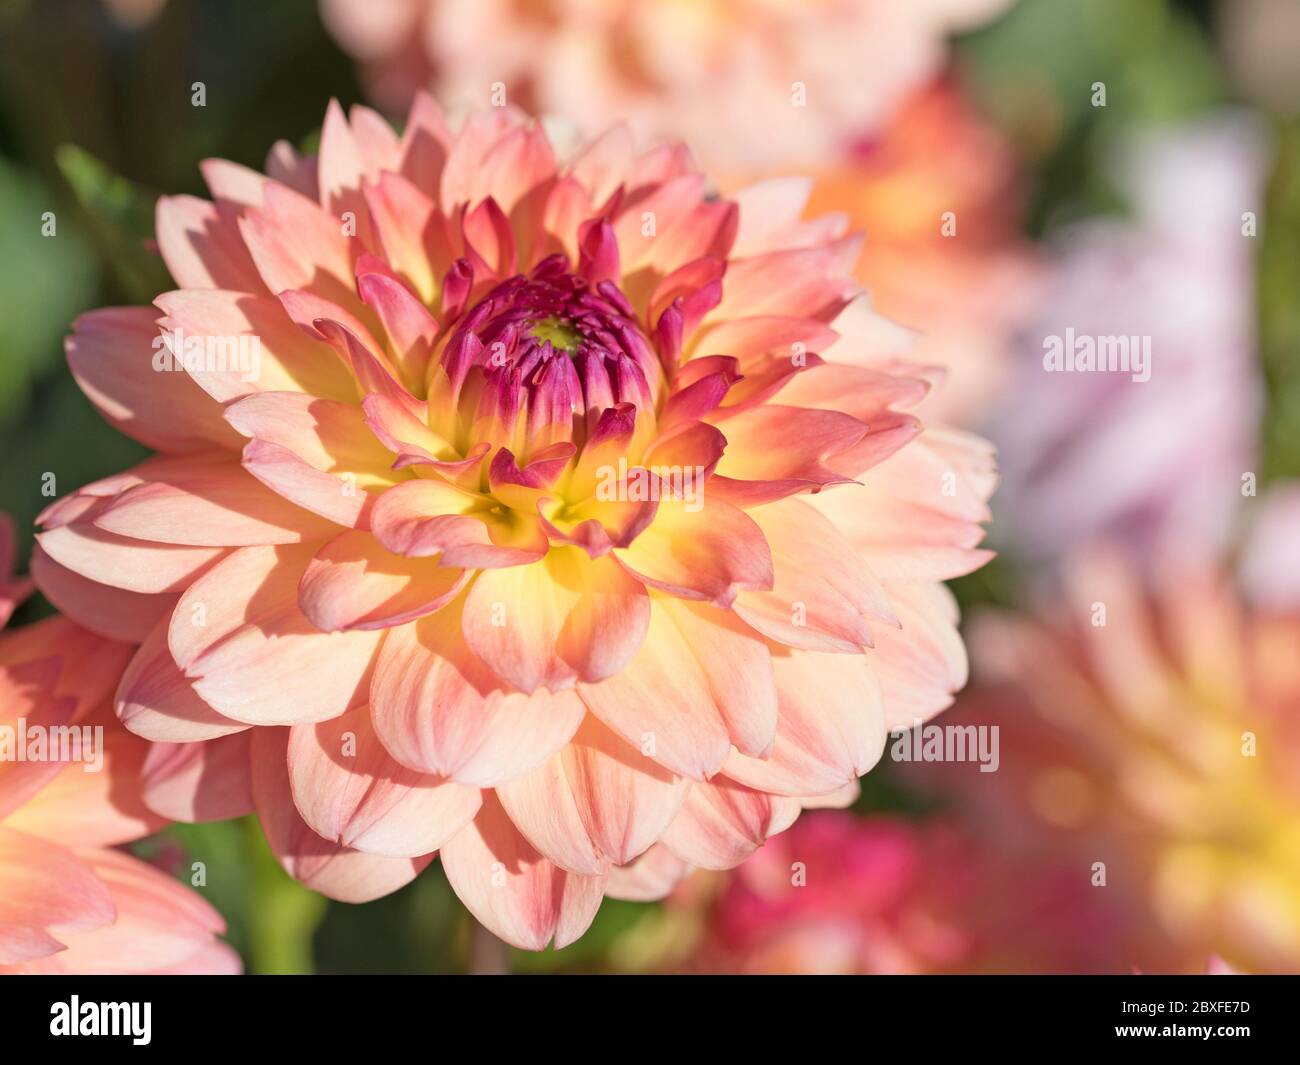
<point x="384" y="1016"/>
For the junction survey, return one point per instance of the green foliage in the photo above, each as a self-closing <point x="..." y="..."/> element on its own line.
<point x="44" y="281"/>
<point x="121" y="222"/>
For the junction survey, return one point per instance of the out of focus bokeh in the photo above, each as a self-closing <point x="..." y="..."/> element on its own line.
<point x="1037" y="180"/>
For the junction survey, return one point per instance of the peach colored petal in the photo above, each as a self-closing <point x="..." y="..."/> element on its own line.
<point x="661" y="704"/>
<point x="205" y="781"/>
<point x="353" y="583"/>
<point x="111" y="354"/>
<point x="240" y="637"/>
<point x="650" y="878"/>
<point x="722" y="823"/>
<point x="335" y="871"/>
<point x="110" y="612"/>
<point x="426" y="517"/>
<point x="287" y="360"/>
<point x="315" y="452"/>
<point x="548" y="624"/>
<point x="822" y="600"/>
<point x="296" y="244"/>
<point x="161" y="927"/>
<point x="45" y="891"/>
<point x="515" y="892"/>
<point x="156" y="701"/>
<point x="438" y="709"/>
<point x="201" y="245"/>
<point x="738" y="668"/>
<point x="122" y="562"/>
<point x="830" y="726"/>
<point x="596" y="802"/>
<point x="922" y="664"/>
<point x="712" y="553"/>
<point x="349" y="790"/>
<point x="207" y="504"/>
<point x="87" y="807"/>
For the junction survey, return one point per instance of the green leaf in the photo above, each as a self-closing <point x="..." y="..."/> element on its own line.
<point x="121" y="217"/>
<point x="47" y="275"/>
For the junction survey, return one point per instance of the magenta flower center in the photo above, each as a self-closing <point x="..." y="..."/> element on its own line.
<point x="552" y="344"/>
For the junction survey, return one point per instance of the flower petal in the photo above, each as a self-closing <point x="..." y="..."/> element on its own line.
<point x="512" y="890"/>
<point x="438" y="709"/>
<point x="598" y="801"/>
<point x="565" y="618"/>
<point x="335" y="871"/>
<point x="354" y="583"/>
<point x="253" y="656"/>
<point x="349" y="789"/>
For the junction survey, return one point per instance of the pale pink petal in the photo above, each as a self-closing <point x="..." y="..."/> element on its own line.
<point x="438" y="709"/>
<point x="252" y="655"/>
<point x="711" y="553"/>
<point x="121" y="562"/>
<point x="205" y="781"/>
<point x="830" y="726"/>
<point x="738" y="667"/>
<point x="156" y="701"/>
<point x="45" y="891"/>
<point x="112" y="352"/>
<point x="650" y="878"/>
<point x="335" y="871"/>
<point x="207" y="503"/>
<point x="202" y="247"/>
<point x="722" y="823"/>
<point x="922" y="664"/>
<point x="551" y="623"/>
<point x="822" y="600"/>
<point x="661" y="704"/>
<point x="512" y="890"/>
<point x="349" y="789"/>
<point x="598" y="801"/>
<point x="287" y="360"/>
<point x="162" y="927"/>
<point x="109" y="612"/>
<point x="354" y="583"/>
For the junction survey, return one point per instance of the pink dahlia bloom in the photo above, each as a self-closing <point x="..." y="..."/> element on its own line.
<point x="751" y="83"/>
<point x="841" y="895"/>
<point x="69" y="902"/>
<point x="1153" y="725"/>
<point x="545" y="533"/>
<point x="1102" y="454"/>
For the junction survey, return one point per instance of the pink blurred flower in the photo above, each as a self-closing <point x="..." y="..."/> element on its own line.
<point x="724" y="76"/>
<point x="1151" y="724"/>
<point x="837" y="894"/>
<point x="1157" y="463"/>
<point x="410" y="618"/>
<point x="69" y="903"/>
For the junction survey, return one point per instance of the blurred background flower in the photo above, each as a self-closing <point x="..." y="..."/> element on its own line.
<point x="747" y="83"/>
<point x="1156" y="461"/>
<point x="1098" y="161"/>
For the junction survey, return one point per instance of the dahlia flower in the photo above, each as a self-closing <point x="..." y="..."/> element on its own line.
<point x="841" y="895"/>
<point x="1108" y="454"/>
<point x="545" y="533"/>
<point x="749" y="84"/>
<point x="1153" y="727"/>
<point x="69" y="902"/>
